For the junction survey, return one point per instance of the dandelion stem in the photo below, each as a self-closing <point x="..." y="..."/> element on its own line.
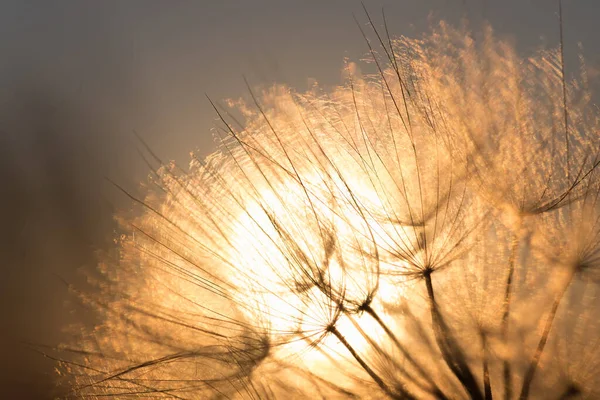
<point x="362" y="363"/>
<point x="506" y="369"/>
<point x="487" y="386"/>
<point x="400" y="370"/>
<point x="530" y="374"/>
<point x="369" y="310"/>
<point x="451" y="351"/>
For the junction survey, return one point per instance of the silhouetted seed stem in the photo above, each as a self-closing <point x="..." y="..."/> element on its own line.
<point x="362" y="363"/>
<point x="487" y="386"/>
<point x="451" y="352"/>
<point x="394" y="338"/>
<point x="367" y="308"/>
<point x="530" y="374"/>
<point x="506" y="370"/>
<point x="401" y="372"/>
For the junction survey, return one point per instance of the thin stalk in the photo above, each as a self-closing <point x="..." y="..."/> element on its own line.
<point x="363" y="364"/>
<point x="506" y="368"/>
<point x="367" y="308"/>
<point x="487" y="386"/>
<point x="403" y="393"/>
<point x="530" y="374"/>
<point x="451" y="351"/>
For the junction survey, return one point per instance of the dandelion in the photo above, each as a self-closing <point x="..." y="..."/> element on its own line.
<point x="399" y="236"/>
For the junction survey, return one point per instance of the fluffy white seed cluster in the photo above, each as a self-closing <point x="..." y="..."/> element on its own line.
<point x="428" y="230"/>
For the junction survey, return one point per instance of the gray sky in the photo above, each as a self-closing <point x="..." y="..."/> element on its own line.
<point x="78" y="77"/>
<point x="145" y="65"/>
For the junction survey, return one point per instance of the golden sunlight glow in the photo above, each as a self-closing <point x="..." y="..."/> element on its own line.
<point x="403" y="235"/>
<point x="270" y="275"/>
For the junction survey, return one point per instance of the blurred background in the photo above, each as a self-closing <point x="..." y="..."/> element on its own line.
<point x="77" y="78"/>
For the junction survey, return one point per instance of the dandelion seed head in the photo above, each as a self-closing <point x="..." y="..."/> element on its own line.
<point x="396" y="236"/>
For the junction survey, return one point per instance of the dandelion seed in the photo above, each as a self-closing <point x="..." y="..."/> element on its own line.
<point x="397" y="237"/>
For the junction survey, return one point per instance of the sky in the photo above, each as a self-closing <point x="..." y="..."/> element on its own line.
<point x="78" y="78"/>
